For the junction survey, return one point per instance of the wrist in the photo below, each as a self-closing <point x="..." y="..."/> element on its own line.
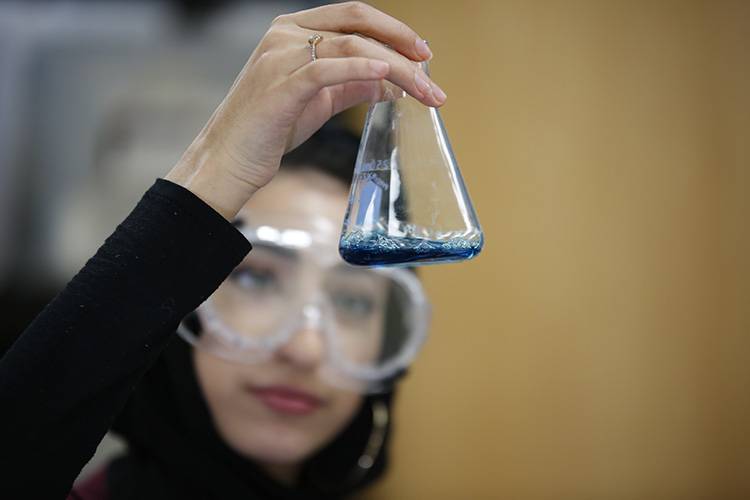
<point x="206" y="171"/>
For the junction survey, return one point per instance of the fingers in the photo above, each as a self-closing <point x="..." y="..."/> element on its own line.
<point x="308" y="80"/>
<point x="350" y="94"/>
<point x="403" y="72"/>
<point x="357" y="17"/>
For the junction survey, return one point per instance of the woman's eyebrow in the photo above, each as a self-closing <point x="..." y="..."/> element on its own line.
<point x="350" y="270"/>
<point x="286" y="253"/>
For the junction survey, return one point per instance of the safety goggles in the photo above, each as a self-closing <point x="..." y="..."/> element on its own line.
<point x="371" y="321"/>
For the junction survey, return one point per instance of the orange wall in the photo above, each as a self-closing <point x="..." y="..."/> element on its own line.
<point x="599" y="348"/>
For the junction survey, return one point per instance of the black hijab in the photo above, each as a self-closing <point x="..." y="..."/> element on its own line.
<point x="175" y="451"/>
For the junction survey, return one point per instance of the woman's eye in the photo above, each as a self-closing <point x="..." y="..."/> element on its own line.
<point x="353" y="305"/>
<point x="255" y="279"/>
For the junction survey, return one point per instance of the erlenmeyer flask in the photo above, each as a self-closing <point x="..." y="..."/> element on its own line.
<point x="408" y="204"/>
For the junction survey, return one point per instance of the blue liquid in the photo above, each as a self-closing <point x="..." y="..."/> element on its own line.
<point x="379" y="250"/>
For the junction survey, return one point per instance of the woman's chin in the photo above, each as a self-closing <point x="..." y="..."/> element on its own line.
<point x="274" y="446"/>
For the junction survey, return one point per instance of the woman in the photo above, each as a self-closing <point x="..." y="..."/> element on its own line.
<point x="285" y="426"/>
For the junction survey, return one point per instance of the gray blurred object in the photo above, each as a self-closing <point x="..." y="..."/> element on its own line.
<point x="96" y="101"/>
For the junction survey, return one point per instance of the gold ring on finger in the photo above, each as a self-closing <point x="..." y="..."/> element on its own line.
<point x="313" y="41"/>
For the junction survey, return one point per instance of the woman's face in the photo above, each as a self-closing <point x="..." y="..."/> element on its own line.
<point x="280" y="411"/>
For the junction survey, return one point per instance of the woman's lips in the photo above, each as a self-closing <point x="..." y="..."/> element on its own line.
<point x="287" y="400"/>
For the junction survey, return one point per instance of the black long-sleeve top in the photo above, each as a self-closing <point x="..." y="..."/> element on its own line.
<point x="73" y="369"/>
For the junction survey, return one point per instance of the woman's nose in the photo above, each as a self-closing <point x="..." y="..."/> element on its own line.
<point x="305" y="349"/>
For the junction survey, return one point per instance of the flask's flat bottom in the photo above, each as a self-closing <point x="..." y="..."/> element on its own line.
<point x="380" y="250"/>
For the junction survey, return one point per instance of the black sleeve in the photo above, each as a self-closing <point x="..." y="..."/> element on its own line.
<point x="71" y="371"/>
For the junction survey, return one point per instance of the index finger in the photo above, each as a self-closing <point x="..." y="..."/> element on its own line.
<point x="358" y="17"/>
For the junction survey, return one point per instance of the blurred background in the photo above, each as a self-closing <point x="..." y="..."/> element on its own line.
<point x="599" y="348"/>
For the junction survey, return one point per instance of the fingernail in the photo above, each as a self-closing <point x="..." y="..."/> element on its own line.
<point x="423" y="49"/>
<point x="421" y="83"/>
<point x="438" y="93"/>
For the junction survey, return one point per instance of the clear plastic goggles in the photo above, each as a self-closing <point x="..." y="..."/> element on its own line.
<point x="371" y="321"/>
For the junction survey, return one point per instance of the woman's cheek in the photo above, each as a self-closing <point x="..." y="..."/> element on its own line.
<point x="345" y="407"/>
